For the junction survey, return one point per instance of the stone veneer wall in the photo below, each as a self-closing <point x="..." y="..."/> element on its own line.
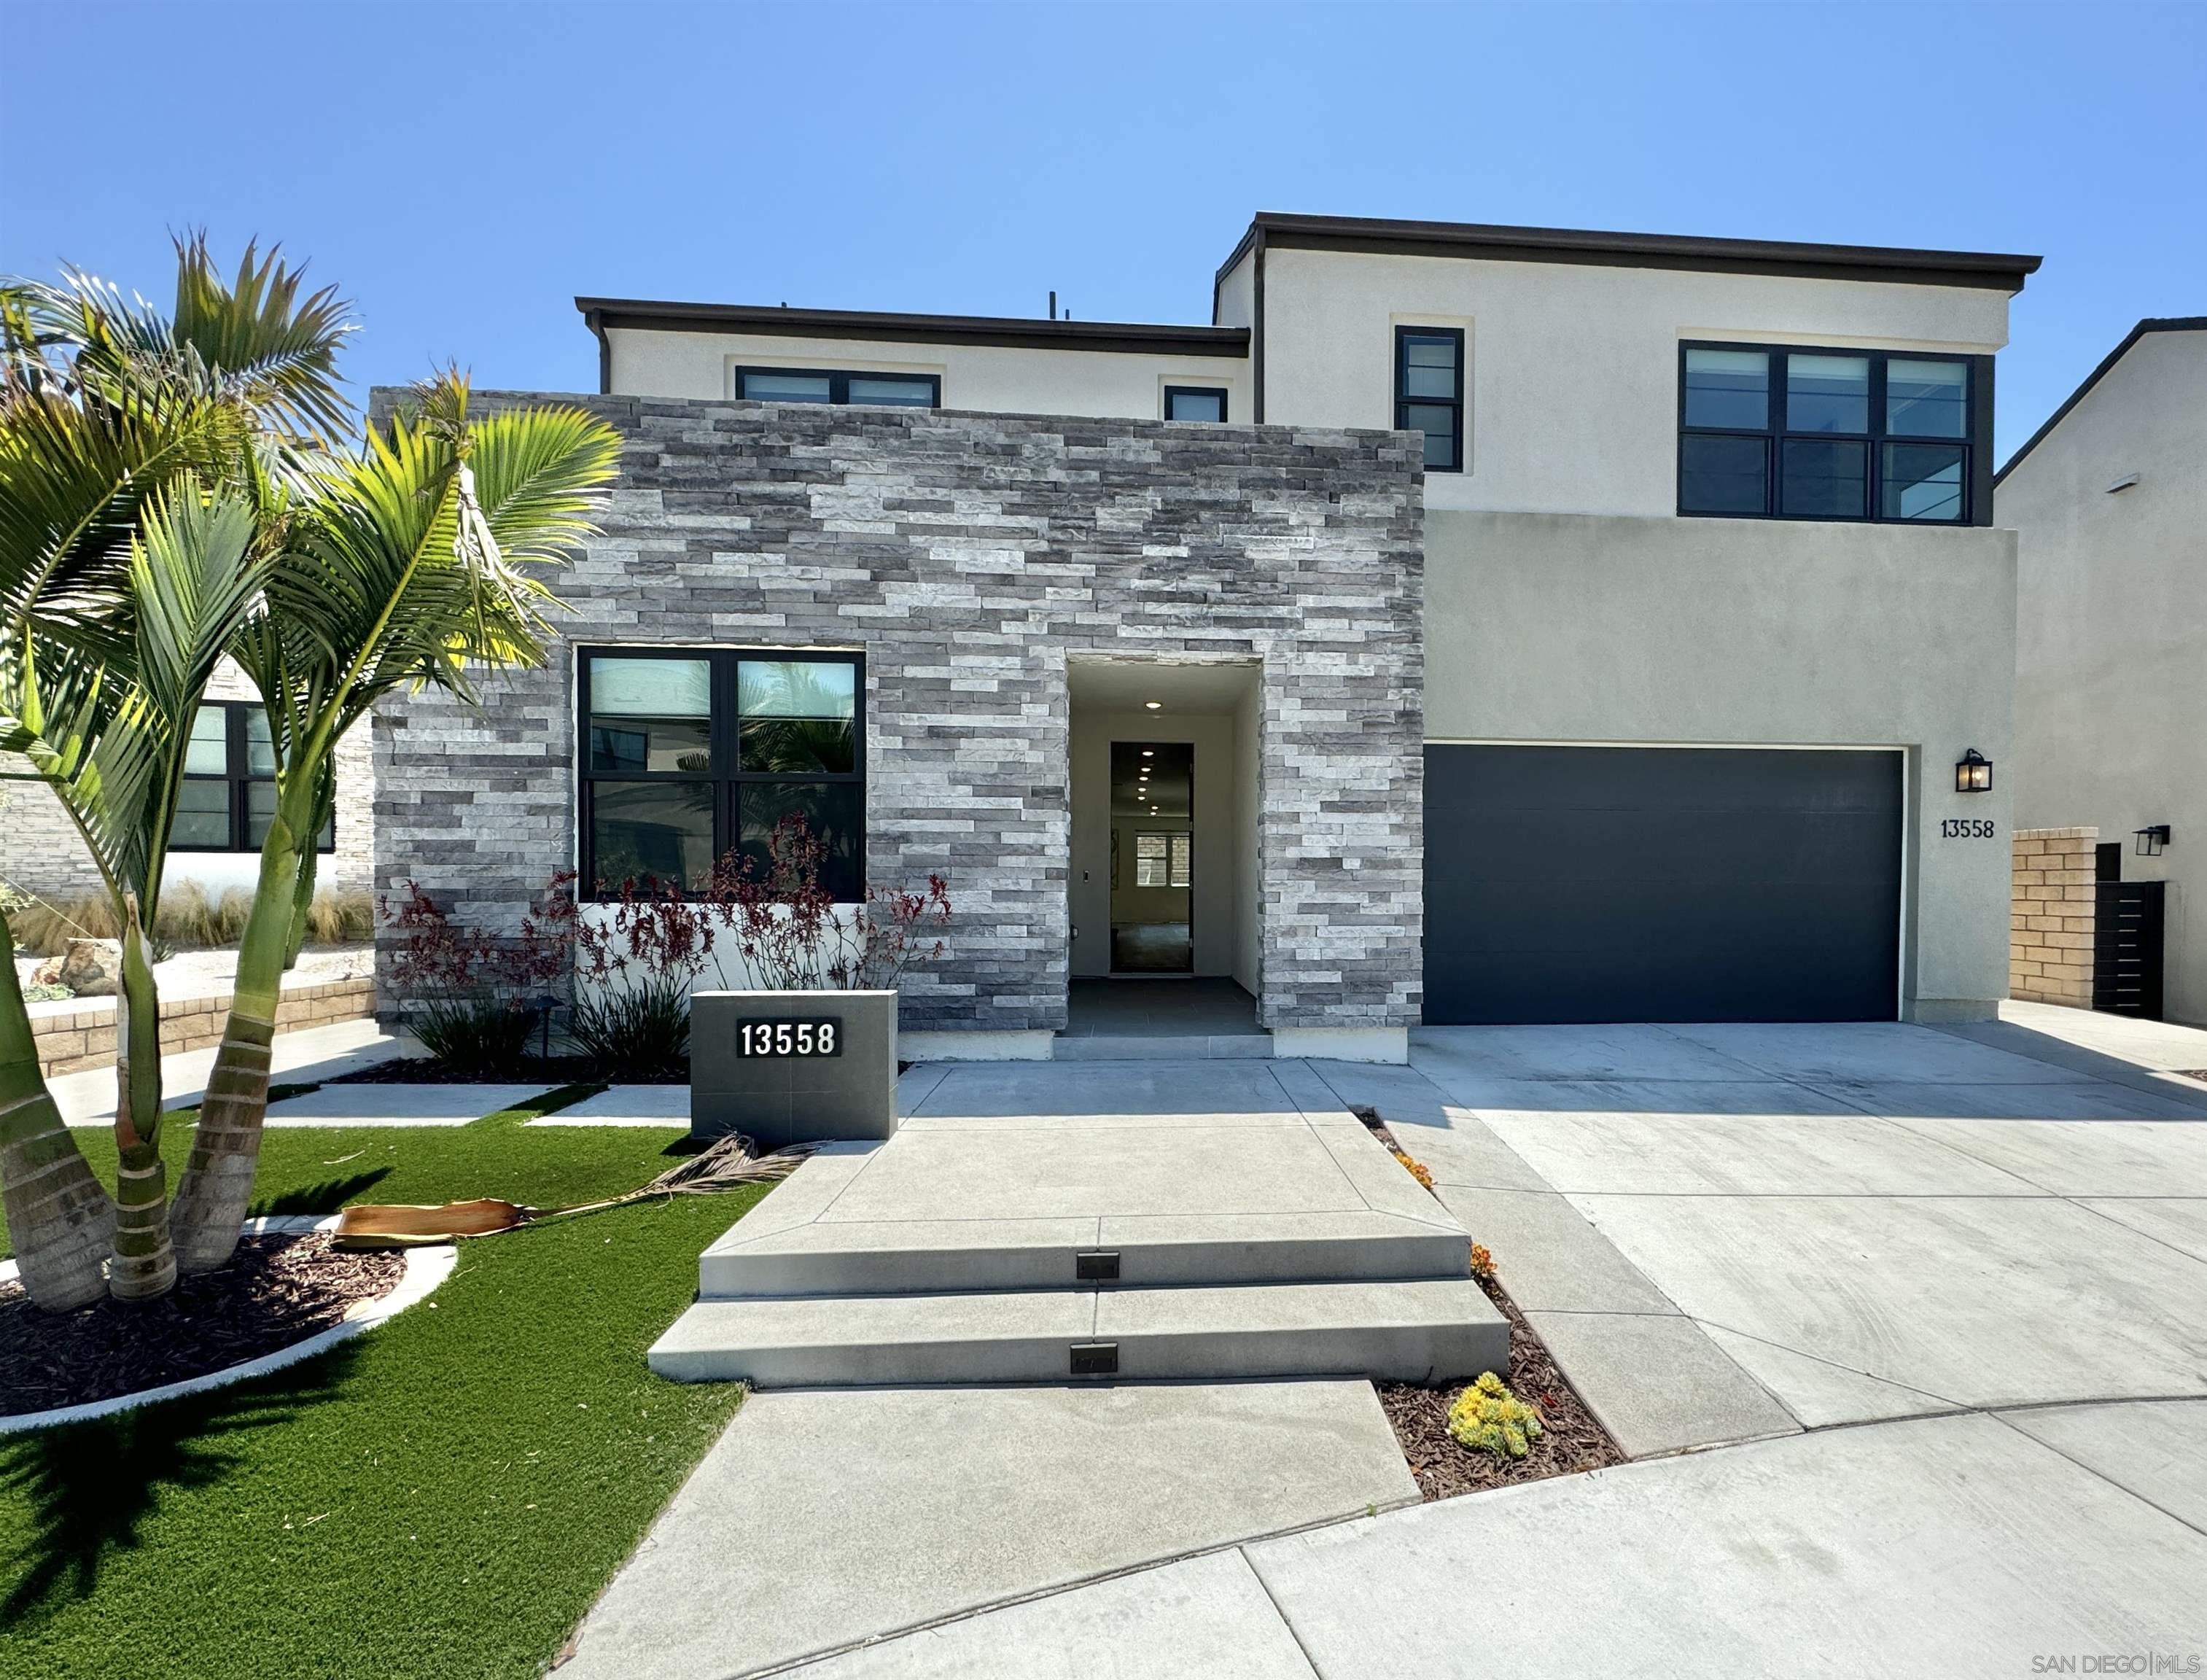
<point x="970" y="556"/>
<point x="2051" y="915"/>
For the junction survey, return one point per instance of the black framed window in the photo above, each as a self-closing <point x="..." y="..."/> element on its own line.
<point x="228" y="799"/>
<point x="690" y="754"/>
<point x="1195" y="402"/>
<point x="840" y="386"/>
<point x="1429" y="391"/>
<point x="1788" y="432"/>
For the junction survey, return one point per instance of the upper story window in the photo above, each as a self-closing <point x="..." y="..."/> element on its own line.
<point x="228" y="800"/>
<point x="1799" y="434"/>
<point x="687" y="756"/>
<point x="837" y="385"/>
<point x="1195" y="402"/>
<point x="1429" y="391"/>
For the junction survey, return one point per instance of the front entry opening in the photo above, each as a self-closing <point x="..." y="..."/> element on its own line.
<point x="1153" y="842"/>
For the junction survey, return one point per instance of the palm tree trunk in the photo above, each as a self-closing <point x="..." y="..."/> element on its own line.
<point x="217" y="1183"/>
<point x="60" y="1221"/>
<point x="303" y="901"/>
<point x="144" y="1264"/>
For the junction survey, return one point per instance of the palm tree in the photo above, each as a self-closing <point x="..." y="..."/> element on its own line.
<point x="141" y="459"/>
<point x="413" y="565"/>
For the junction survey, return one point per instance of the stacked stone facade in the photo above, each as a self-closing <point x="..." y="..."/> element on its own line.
<point x="2051" y="915"/>
<point x="970" y="557"/>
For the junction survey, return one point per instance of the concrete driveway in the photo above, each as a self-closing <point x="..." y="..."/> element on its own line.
<point x="1985" y="1247"/>
<point x="1738" y="1230"/>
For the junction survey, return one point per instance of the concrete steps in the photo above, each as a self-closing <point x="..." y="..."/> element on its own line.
<point x="953" y="1257"/>
<point x="1426" y="1330"/>
<point x="1191" y="1221"/>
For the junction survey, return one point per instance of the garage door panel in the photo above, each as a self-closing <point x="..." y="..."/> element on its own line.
<point x="1584" y="884"/>
<point x="1541" y="847"/>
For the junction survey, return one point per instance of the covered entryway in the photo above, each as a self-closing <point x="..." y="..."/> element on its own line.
<point x="1609" y="883"/>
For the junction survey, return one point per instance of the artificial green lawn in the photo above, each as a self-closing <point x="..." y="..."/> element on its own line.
<point x="442" y="1496"/>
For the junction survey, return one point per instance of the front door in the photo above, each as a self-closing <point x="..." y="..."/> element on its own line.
<point x="1153" y="857"/>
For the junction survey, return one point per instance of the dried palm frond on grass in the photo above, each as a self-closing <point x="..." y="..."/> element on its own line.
<point x="727" y="1163"/>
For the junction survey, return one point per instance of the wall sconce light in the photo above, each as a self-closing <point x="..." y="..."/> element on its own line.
<point x="1973" y="773"/>
<point x="2151" y="840"/>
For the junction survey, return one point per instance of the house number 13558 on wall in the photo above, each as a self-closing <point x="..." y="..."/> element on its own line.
<point x="1966" y="828"/>
<point x="789" y="1039"/>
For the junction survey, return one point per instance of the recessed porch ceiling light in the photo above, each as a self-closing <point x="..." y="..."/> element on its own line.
<point x="1149" y="752"/>
<point x="1154" y="705"/>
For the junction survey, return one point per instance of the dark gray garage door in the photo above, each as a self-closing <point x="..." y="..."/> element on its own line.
<point x="1661" y="884"/>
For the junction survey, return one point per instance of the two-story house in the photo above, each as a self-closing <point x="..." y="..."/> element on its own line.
<point x="1469" y="625"/>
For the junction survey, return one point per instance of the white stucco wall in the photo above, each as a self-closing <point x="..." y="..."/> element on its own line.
<point x="1237" y="296"/>
<point x="1552" y="628"/>
<point x="1571" y="387"/>
<point x="989" y="379"/>
<point x="41" y="853"/>
<point x="1223" y="847"/>
<point x="2111" y="649"/>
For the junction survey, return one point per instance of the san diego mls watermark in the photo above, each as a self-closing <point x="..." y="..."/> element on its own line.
<point x="2117" y="1662"/>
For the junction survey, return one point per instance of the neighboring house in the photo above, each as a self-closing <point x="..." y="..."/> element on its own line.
<point x="1634" y="688"/>
<point x="2108" y="500"/>
<point x="228" y="796"/>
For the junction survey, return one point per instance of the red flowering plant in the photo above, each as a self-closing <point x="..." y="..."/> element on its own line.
<point x="634" y="964"/>
<point x="470" y="995"/>
<point x="793" y="934"/>
<point x="636" y="958"/>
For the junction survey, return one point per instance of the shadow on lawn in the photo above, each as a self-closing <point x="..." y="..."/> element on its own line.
<point x="91" y="1486"/>
<point x="327" y="1196"/>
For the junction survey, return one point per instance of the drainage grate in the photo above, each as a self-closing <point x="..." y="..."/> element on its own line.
<point x="1095" y="1265"/>
<point x="1095" y="1359"/>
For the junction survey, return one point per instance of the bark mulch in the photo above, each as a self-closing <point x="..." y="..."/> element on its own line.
<point x="276" y="1290"/>
<point x="1570" y="1440"/>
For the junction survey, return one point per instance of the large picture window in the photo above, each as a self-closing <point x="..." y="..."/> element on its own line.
<point x="1768" y="432"/>
<point x="690" y="755"/>
<point x="228" y="800"/>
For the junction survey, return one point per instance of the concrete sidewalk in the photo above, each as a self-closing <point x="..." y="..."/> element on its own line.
<point x="318" y="1053"/>
<point x="822" y="1519"/>
<point x="1960" y="1547"/>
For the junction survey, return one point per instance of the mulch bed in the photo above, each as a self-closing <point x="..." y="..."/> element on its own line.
<point x="1570" y="1440"/>
<point x="276" y="1291"/>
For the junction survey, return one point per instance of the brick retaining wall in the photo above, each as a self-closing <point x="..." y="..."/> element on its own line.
<point x="77" y="1033"/>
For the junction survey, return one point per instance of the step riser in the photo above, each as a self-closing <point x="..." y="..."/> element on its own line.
<point x="1240" y="1047"/>
<point x="731" y="1274"/>
<point x="1411" y="1354"/>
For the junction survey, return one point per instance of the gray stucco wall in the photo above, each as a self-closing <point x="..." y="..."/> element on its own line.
<point x="2111" y="682"/>
<point x="1569" y="628"/>
<point x="970" y="556"/>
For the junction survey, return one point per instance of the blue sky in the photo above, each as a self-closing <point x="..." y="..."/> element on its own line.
<point x="463" y="170"/>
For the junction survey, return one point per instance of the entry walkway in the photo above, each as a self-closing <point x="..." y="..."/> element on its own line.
<point x="1036" y="1220"/>
<point x="1930" y="1309"/>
